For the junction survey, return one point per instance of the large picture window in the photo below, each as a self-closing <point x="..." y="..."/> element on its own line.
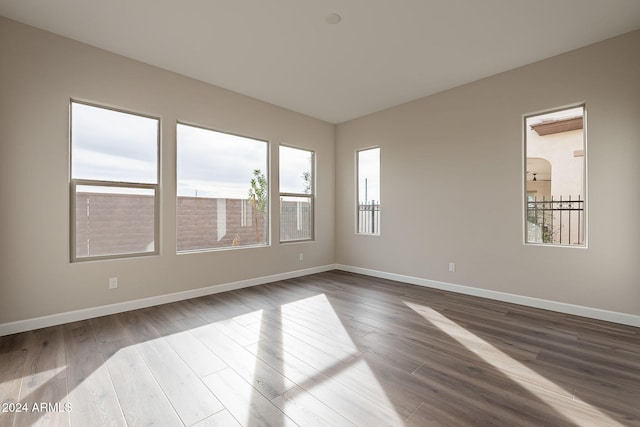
<point x="555" y="177"/>
<point x="296" y="194"/>
<point x="222" y="190"/>
<point x="368" y="163"/>
<point x="114" y="183"/>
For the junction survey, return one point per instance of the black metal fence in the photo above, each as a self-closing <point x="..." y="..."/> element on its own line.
<point x="369" y="218"/>
<point x="555" y="221"/>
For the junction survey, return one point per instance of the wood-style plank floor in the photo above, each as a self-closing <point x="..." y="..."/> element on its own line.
<point x="331" y="349"/>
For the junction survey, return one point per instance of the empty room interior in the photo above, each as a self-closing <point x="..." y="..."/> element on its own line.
<point x="319" y="213"/>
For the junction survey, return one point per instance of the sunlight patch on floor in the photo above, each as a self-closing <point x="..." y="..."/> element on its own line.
<point x="516" y="371"/>
<point x="330" y="350"/>
<point x="318" y="338"/>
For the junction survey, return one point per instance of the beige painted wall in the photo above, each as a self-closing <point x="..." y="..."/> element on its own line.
<point x="440" y="154"/>
<point x="39" y="72"/>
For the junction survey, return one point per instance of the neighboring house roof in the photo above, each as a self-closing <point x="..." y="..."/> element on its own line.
<point x="549" y="127"/>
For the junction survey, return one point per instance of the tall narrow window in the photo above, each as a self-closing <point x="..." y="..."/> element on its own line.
<point x="222" y="190"/>
<point x="296" y="194"/>
<point x="555" y="176"/>
<point x="368" y="163"/>
<point x="114" y="183"/>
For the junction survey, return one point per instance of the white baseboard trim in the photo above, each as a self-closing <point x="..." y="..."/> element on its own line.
<point x="589" y="312"/>
<point x="104" y="310"/>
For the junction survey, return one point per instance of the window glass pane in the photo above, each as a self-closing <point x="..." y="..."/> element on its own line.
<point x="222" y="185"/>
<point x="114" y="220"/>
<point x="295" y="170"/>
<point x="369" y="191"/>
<point x="296" y="194"/>
<point x="109" y="145"/>
<point x="295" y="218"/>
<point x="555" y="178"/>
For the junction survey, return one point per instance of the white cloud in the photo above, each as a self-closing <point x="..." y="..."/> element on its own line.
<point x="216" y="164"/>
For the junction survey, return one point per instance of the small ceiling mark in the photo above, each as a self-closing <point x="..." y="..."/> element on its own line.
<point x="333" y="18"/>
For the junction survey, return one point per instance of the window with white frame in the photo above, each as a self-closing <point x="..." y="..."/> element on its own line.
<point x="114" y="183"/>
<point x="222" y="190"/>
<point x="555" y="177"/>
<point x="368" y="209"/>
<point x="296" y="194"/>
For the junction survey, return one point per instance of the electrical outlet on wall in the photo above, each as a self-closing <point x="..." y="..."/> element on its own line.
<point x="452" y="266"/>
<point x="113" y="283"/>
<point x="301" y="256"/>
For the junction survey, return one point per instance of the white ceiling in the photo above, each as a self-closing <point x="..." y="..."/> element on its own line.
<point x="382" y="54"/>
